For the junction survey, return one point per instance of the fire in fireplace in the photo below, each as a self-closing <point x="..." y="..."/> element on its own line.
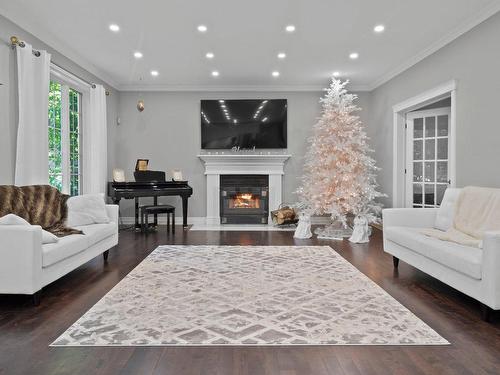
<point x="244" y="199"/>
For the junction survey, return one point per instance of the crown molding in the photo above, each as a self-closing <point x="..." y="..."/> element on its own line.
<point x="469" y="24"/>
<point x="226" y="88"/>
<point x="52" y="41"/>
<point x="231" y="88"/>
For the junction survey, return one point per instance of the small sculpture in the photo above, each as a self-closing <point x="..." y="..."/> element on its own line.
<point x="303" y="227"/>
<point x="361" y="231"/>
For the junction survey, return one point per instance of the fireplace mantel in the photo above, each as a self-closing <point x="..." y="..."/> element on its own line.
<point x="222" y="164"/>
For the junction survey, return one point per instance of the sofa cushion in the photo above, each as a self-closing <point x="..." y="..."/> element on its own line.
<point x="66" y="247"/>
<point x="464" y="259"/>
<point x="86" y="209"/>
<point x="446" y="212"/>
<point x="12" y="219"/>
<point x="97" y="232"/>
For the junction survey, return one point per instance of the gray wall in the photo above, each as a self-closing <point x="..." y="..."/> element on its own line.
<point x="473" y="60"/>
<point x="168" y="134"/>
<point x="8" y="94"/>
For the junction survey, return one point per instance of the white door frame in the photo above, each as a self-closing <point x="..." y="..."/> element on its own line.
<point x="400" y="110"/>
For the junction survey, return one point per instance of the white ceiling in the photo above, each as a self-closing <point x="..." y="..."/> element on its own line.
<point x="245" y="36"/>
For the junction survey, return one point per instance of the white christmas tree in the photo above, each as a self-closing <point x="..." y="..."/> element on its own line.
<point x="339" y="176"/>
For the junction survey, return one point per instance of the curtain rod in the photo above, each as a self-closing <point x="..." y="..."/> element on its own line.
<point x="15" y="42"/>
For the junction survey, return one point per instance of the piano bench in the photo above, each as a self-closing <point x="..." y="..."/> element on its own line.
<point x="155" y="210"/>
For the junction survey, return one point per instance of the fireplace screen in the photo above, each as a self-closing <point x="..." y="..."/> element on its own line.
<point x="244" y="199"/>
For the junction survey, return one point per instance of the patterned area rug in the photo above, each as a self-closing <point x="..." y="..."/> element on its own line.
<point x="247" y="295"/>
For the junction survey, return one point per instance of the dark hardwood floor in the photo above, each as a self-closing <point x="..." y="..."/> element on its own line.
<point x="27" y="331"/>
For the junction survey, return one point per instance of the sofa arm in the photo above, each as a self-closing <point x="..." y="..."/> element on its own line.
<point x="20" y="259"/>
<point x="409" y="217"/>
<point x="112" y="211"/>
<point x="490" y="268"/>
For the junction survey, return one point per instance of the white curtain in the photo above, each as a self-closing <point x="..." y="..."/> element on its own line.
<point x="32" y="153"/>
<point x="95" y="143"/>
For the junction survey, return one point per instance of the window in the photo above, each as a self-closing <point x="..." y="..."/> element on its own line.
<point x="64" y="138"/>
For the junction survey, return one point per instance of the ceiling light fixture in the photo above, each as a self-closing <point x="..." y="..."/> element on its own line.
<point x="275" y="74"/>
<point x="336" y="74"/>
<point x="138" y="55"/>
<point x="154" y="73"/>
<point x="379" y="28"/>
<point x="281" y="55"/>
<point x="290" y="28"/>
<point x="114" y="27"/>
<point x="354" y="55"/>
<point x="215" y="73"/>
<point x="209" y="55"/>
<point x="202" y="28"/>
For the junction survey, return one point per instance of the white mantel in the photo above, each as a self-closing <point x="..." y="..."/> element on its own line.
<point x="222" y="164"/>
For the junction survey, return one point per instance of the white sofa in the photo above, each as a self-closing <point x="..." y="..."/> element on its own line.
<point x="26" y="266"/>
<point x="471" y="270"/>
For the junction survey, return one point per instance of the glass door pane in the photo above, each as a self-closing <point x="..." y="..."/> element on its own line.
<point x="427" y="157"/>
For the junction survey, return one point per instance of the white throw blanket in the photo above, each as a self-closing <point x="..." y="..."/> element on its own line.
<point x="477" y="211"/>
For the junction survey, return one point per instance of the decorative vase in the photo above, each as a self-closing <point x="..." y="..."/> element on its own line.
<point x="303" y="230"/>
<point x="361" y="231"/>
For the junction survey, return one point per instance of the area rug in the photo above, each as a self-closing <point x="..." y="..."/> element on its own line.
<point x="247" y="295"/>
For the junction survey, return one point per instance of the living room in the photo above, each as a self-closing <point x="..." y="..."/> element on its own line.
<point x="249" y="188"/>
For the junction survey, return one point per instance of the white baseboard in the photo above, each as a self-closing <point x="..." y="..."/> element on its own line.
<point x="162" y="220"/>
<point x="201" y="220"/>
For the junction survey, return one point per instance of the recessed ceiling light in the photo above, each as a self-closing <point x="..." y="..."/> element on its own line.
<point x="281" y="55"/>
<point x="202" y="28"/>
<point x="114" y="27"/>
<point x="275" y="74"/>
<point x="138" y="55"/>
<point x="336" y="74"/>
<point x="215" y="73"/>
<point x="221" y="101"/>
<point x="264" y="119"/>
<point x="290" y="28"/>
<point x="379" y="28"/>
<point x="354" y="55"/>
<point x="210" y="55"/>
<point x="154" y="73"/>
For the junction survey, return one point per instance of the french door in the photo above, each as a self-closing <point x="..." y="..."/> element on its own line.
<point x="428" y="141"/>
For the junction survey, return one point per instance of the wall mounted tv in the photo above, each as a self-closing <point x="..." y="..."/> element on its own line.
<point x="244" y="124"/>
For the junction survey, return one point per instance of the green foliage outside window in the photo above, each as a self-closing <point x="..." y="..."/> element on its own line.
<point x="55" y="138"/>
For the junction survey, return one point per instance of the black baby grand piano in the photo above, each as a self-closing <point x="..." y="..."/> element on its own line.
<point x="150" y="184"/>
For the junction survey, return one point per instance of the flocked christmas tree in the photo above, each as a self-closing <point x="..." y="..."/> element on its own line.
<point x="339" y="175"/>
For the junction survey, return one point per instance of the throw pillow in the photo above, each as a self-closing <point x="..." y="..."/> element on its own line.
<point x="86" y="209"/>
<point x="12" y="219"/>
<point x="446" y="212"/>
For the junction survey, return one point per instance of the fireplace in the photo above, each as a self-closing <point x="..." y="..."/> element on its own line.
<point x="244" y="199"/>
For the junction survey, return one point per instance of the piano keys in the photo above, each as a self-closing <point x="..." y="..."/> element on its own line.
<point x="140" y="189"/>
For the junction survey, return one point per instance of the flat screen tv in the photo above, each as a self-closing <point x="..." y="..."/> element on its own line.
<point x="244" y="124"/>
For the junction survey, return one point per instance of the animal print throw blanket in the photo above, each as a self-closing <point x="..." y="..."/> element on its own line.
<point x="40" y="205"/>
